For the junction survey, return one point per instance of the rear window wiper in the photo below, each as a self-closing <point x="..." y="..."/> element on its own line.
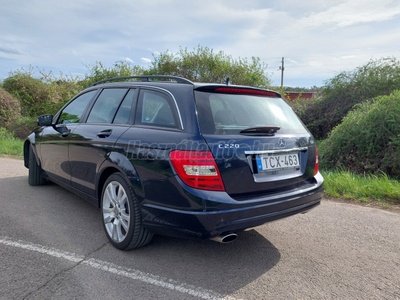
<point x="268" y="130"/>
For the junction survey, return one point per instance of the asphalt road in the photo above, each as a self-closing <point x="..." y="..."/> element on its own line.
<point x="52" y="246"/>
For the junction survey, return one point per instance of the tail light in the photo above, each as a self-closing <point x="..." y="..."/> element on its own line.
<point x="197" y="169"/>
<point x="316" y="161"/>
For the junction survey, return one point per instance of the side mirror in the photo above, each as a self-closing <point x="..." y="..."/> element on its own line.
<point x="45" y="120"/>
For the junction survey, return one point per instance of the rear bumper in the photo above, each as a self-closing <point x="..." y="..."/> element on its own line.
<point x="223" y="214"/>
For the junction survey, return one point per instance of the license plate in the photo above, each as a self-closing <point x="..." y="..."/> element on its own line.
<point x="275" y="162"/>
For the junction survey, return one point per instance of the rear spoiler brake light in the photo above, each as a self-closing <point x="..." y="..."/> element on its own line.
<point x="246" y="92"/>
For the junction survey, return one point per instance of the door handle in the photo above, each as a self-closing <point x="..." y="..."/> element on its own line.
<point x="104" y="133"/>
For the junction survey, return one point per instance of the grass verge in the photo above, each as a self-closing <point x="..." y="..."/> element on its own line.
<point x="365" y="189"/>
<point x="9" y="145"/>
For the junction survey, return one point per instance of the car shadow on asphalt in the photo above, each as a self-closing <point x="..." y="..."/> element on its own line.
<point x="224" y="268"/>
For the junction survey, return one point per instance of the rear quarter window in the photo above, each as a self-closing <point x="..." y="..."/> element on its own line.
<point x="156" y="109"/>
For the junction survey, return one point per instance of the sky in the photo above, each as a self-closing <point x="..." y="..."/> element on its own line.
<point x="318" y="38"/>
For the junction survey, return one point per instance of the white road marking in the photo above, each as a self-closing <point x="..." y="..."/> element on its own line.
<point x="118" y="270"/>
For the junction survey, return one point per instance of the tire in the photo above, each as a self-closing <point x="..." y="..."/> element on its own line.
<point x="35" y="176"/>
<point x="121" y="215"/>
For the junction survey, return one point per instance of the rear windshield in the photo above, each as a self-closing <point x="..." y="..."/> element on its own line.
<point x="229" y="113"/>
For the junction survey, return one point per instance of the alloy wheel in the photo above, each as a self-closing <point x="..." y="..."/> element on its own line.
<point x="116" y="211"/>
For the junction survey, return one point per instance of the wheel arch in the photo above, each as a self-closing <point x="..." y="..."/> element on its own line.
<point x="29" y="141"/>
<point x="107" y="172"/>
<point x="27" y="144"/>
<point x="116" y="162"/>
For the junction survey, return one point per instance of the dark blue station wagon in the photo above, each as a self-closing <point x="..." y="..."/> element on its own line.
<point x="163" y="155"/>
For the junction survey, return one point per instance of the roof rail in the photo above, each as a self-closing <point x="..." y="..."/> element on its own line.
<point x="147" y="78"/>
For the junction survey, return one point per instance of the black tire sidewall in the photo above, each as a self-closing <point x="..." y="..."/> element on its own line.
<point x="35" y="176"/>
<point x="133" y="213"/>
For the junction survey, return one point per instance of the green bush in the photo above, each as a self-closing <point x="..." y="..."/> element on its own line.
<point x="5" y="134"/>
<point x="32" y="93"/>
<point x="302" y="106"/>
<point x="341" y="93"/>
<point x="23" y="127"/>
<point x="368" y="139"/>
<point x="10" y="108"/>
<point x="40" y="96"/>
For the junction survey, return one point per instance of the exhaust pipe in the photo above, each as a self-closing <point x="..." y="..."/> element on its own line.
<point x="225" y="238"/>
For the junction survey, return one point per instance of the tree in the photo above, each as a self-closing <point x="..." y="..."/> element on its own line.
<point x="99" y="72"/>
<point x="204" y="65"/>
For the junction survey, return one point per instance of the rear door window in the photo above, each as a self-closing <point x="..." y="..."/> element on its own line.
<point x="124" y="112"/>
<point x="106" y="106"/>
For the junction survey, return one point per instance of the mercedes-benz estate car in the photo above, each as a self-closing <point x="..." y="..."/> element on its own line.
<point x="164" y="155"/>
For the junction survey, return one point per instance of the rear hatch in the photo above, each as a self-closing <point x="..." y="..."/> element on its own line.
<point x="259" y="144"/>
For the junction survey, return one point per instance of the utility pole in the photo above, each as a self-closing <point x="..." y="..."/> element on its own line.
<point x="282" y="68"/>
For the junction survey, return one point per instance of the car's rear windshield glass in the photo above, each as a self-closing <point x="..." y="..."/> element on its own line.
<point x="229" y="113"/>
